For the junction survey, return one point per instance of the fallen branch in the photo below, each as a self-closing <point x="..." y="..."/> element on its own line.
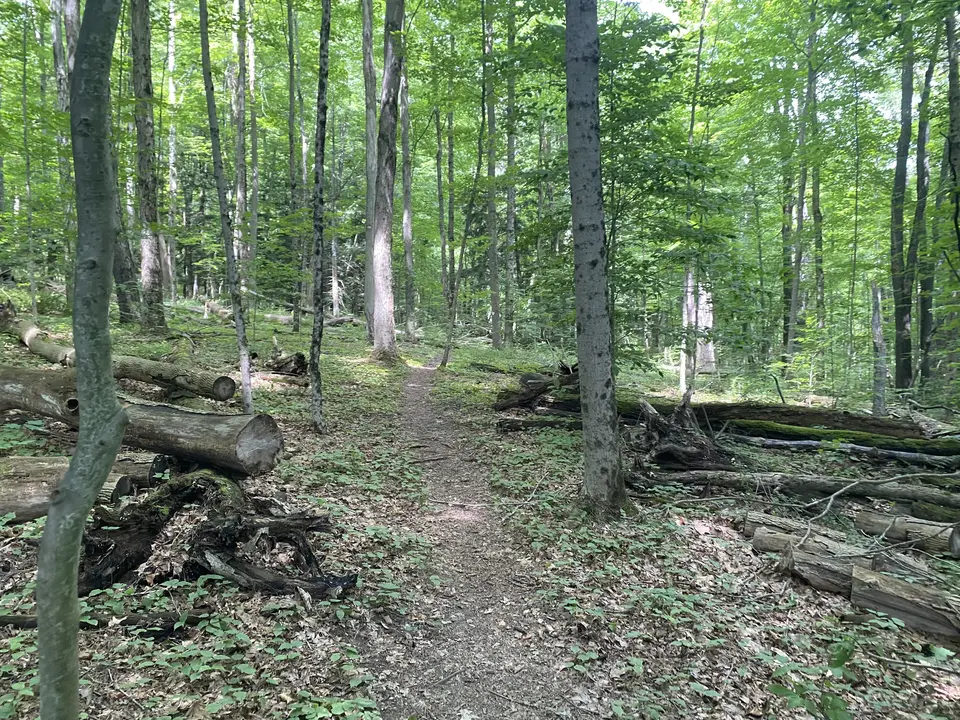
<point x="941" y="462"/>
<point x="939" y="538"/>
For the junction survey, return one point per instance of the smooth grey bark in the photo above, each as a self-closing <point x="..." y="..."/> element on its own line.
<point x="902" y="295"/>
<point x="688" y="356"/>
<point x="493" y="249"/>
<point x="27" y="176"/>
<point x="603" y="488"/>
<point x="226" y="235"/>
<point x="927" y="269"/>
<point x="293" y="201"/>
<point x="102" y="419"/>
<point x="242" y="249"/>
<point x="450" y="172"/>
<point x="511" y="240"/>
<point x="335" y="194"/>
<point x="441" y="208"/>
<point x="384" y="325"/>
<point x="3" y="188"/>
<point x="879" y="353"/>
<point x="370" y="124"/>
<point x="172" y="179"/>
<point x="918" y="231"/>
<point x="254" y="226"/>
<point x="316" y="387"/>
<point x="410" y="325"/>
<point x="124" y="267"/>
<point x="953" y="134"/>
<point x="151" y="263"/>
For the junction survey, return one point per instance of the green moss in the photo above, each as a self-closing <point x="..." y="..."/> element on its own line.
<point x="937" y="513"/>
<point x="762" y="428"/>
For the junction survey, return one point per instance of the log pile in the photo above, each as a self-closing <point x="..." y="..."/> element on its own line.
<point x="863" y="575"/>
<point x="165" y="375"/>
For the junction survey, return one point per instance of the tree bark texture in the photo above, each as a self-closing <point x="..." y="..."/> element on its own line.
<point x="900" y="269"/>
<point x="511" y="239"/>
<point x="384" y="326"/>
<point x="233" y="280"/>
<point x="410" y="324"/>
<point x="101" y="418"/>
<point x="602" y="483"/>
<point x="371" y="165"/>
<point x="935" y="537"/>
<point x="879" y="352"/>
<point x="151" y="256"/>
<point x="953" y="135"/>
<point x="493" y="232"/>
<point x="316" y="386"/>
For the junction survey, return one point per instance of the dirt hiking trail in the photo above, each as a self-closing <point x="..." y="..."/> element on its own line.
<point x="488" y="655"/>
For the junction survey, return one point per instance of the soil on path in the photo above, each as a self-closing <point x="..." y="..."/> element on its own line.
<point x="488" y="652"/>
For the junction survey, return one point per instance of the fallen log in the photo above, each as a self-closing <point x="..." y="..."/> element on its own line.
<point x="884" y="560"/>
<point x="515" y="424"/>
<point x="917" y="606"/>
<point x="753" y="520"/>
<point x="120" y="542"/>
<point x="250" y="444"/>
<point x="167" y="375"/>
<point x="941" y="462"/>
<point x="824" y="572"/>
<point x="266" y="377"/>
<point x="533" y="387"/>
<point x="27" y="482"/>
<point x="802" y="485"/>
<point x="937" y="513"/>
<point x="940" y="538"/>
<point x="288" y="364"/>
<point x="714" y="415"/>
<point x="757" y="428"/>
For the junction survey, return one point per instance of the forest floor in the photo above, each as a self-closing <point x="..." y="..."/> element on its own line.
<point x="484" y="593"/>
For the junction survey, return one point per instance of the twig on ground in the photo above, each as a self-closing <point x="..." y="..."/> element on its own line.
<point x="429" y="459"/>
<point x="527" y="501"/>
<point x="907" y="663"/>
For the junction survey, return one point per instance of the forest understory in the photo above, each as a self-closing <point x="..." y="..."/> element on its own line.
<point x="480" y="592"/>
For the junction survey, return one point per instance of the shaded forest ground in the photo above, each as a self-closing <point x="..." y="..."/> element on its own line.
<point x="472" y="556"/>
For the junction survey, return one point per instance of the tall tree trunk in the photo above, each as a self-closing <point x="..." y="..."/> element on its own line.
<point x="688" y="314"/>
<point x="384" y="326"/>
<point x="806" y="121"/>
<point x="450" y="174"/>
<point x="493" y="250"/>
<point x="3" y="184"/>
<point x="293" y="198"/>
<point x="335" y="176"/>
<point x="151" y="268"/>
<point x="603" y="488"/>
<point x="27" y="175"/>
<point x="226" y="234"/>
<point x="370" y="124"/>
<point x="441" y="208"/>
<point x="62" y="75"/>
<point x="953" y="135"/>
<point x="172" y="178"/>
<point x="251" y="274"/>
<point x="902" y="293"/>
<point x="918" y="232"/>
<point x="102" y="419"/>
<point x="927" y="270"/>
<point x="879" y="354"/>
<point x="242" y="248"/>
<point x="410" y="325"/>
<point x="316" y="387"/>
<point x="857" y="165"/>
<point x="511" y="249"/>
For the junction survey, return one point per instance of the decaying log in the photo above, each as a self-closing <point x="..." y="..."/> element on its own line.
<point x="119" y="542"/>
<point x="266" y="377"/>
<point x="167" y="375"/>
<point x="824" y="572"/>
<point x="941" y="462"/>
<point x="513" y="424"/>
<point x="249" y="444"/>
<point x="753" y="520"/>
<point x="534" y="387"/>
<point x="757" y="428"/>
<point x="288" y="364"/>
<point x="917" y="606"/>
<point x="803" y="485"/>
<point x="934" y="537"/>
<point x="714" y="415"/>
<point x="766" y="540"/>
<point x="937" y="513"/>
<point x="27" y="482"/>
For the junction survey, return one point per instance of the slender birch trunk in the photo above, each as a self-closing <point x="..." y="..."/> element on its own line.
<point x="27" y="175"/>
<point x="370" y="120"/>
<point x="493" y="251"/>
<point x="511" y="248"/>
<point x="254" y="227"/>
<point x="173" y="186"/>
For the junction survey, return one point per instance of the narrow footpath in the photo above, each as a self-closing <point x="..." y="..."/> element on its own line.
<point x="489" y="654"/>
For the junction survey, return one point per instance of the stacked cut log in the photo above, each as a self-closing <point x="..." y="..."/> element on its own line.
<point x="249" y="444"/>
<point x="815" y="555"/>
<point x="933" y="537"/>
<point x="166" y="375"/>
<point x="27" y="482"/>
